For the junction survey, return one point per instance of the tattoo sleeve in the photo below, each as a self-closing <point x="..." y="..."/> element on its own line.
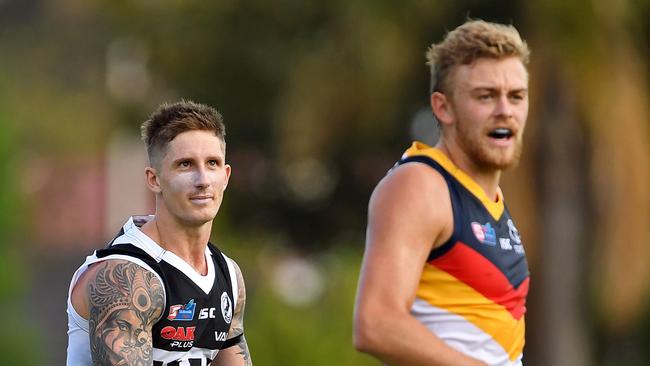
<point x="244" y="352"/>
<point x="237" y="326"/>
<point x="125" y="301"/>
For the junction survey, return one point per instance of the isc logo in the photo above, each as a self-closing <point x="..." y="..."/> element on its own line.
<point x="206" y="313"/>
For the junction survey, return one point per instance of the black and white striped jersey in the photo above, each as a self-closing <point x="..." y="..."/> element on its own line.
<point x="198" y="309"/>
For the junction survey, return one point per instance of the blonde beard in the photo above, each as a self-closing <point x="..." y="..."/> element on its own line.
<point x="485" y="159"/>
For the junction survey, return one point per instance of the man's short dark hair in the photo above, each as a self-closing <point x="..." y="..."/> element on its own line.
<point x="170" y="120"/>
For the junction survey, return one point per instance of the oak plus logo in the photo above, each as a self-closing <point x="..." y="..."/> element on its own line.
<point x="181" y="337"/>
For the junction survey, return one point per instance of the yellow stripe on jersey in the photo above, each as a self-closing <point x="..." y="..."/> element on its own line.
<point x="445" y="291"/>
<point x="419" y="149"/>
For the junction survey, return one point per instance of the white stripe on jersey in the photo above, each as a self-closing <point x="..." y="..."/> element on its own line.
<point x="461" y="334"/>
<point x="184" y="358"/>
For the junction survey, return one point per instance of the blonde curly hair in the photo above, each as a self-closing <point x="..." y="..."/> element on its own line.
<point x="470" y="41"/>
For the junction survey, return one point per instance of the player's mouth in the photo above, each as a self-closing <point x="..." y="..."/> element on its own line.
<point x="501" y="136"/>
<point x="201" y="198"/>
<point x="501" y="133"/>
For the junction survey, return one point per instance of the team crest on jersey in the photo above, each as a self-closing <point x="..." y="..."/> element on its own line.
<point x="182" y="312"/>
<point x="226" y="308"/>
<point x="484" y="233"/>
<point x="514" y="233"/>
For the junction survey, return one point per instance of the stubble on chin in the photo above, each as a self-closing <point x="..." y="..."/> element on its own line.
<point x="487" y="158"/>
<point x="202" y="216"/>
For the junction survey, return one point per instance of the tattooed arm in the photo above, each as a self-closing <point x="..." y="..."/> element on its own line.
<point x="238" y="354"/>
<point x="124" y="300"/>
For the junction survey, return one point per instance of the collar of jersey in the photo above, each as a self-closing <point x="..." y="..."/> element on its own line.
<point x="420" y="149"/>
<point x="134" y="236"/>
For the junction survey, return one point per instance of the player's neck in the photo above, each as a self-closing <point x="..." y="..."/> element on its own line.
<point x="488" y="179"/>
<point x="187" y="242"/>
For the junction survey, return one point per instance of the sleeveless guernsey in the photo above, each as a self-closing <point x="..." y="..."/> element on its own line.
<point x="472" y="292"/>
<point x="198" y="309"/>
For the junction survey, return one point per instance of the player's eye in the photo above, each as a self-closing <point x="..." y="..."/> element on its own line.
<point x="484" y="96"/>
<point x="517" y="96"/>
<point x="185" y="164"/>
<point x="213" y="162"/>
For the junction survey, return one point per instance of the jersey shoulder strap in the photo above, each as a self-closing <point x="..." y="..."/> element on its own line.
<point x="226" y="267"/>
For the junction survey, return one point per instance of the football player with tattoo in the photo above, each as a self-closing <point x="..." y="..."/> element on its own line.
<point x="160" y="293"/>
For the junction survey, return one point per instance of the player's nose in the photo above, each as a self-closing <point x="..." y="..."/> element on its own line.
<point x="503" y="107"/>
<point x="201" y="177"/>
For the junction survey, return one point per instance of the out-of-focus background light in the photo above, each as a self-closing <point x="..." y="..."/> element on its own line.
<point x="320" y="99"/>
<point x="298" y="282"/>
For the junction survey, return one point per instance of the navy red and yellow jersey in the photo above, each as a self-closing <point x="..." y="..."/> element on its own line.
<point x="472" y="291"/>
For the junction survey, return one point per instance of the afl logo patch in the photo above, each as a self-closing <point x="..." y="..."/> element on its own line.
<point x="226" y="308"/>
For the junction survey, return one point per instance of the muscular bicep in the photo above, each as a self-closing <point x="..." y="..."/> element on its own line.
<point x="237" y="353"/>
<point x="409" y="213"/>
<point x="124" y="301"/>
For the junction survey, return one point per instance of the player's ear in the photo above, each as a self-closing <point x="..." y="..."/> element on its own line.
<point x="441" y="108"/>
<point x="152" y="179"/>
<point x="228" y="171"/>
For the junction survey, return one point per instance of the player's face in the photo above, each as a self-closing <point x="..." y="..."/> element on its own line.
<point x="192" y="177"/>
<point x="490" y="106"/>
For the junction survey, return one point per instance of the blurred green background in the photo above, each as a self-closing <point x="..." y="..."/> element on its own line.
<point x="320" y="98"/>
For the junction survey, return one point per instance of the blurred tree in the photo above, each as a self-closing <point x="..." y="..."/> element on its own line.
<point x="318" y="95"/>
<point x="16" y="343"/>
<point x="594" y="88"/>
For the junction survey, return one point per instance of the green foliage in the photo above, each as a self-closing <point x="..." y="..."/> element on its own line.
<point x="16" y="344"/>
<point x="9" y="201"/>
<point x="318" y="333"/>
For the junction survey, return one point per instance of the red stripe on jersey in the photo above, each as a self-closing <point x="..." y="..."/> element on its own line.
<point x="478" y="272"/>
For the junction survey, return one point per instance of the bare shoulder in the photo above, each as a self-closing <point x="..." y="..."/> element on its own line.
<point x="412" y="178"/>
<point x="408" y="215"/>
<point x="124" y="300"/>
<point x="412" y="193"/>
